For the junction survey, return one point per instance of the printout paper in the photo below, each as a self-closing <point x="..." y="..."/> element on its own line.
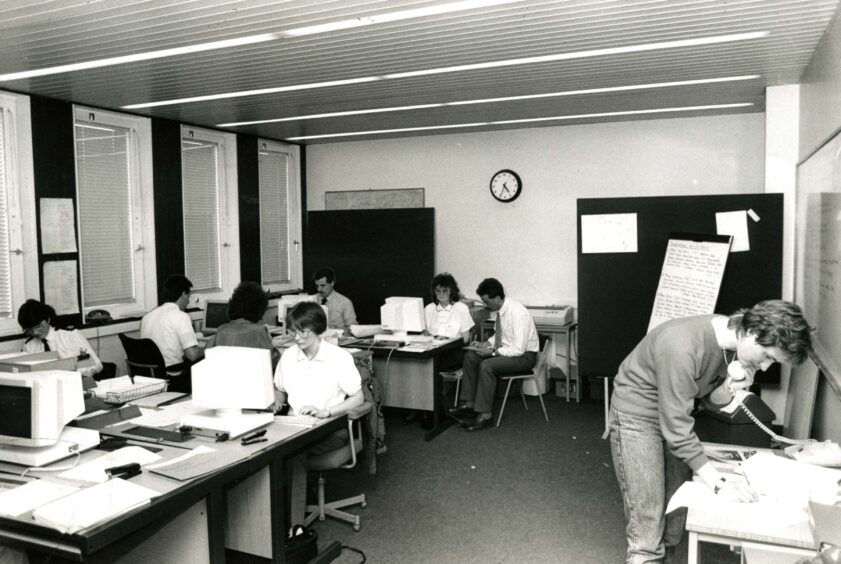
<point x="58" y="233"/>
<point x="61" y="286"/>
<point x="609" y="233"/>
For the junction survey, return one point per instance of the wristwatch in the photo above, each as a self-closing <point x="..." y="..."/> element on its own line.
<point x="719" y="485"/>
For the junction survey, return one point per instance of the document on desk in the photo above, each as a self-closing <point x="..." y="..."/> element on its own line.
<point x="169" y="415"/>
<point x="790" y="480"/>
<point x="27" y="497"/>
<point x="198" y="462"/>
<point x="89" y="506"/>
<point x="93" y="472"/>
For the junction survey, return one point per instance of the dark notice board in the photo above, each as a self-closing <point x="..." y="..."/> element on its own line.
<point x="375" y="253"/>
<point x="616" y="290"/>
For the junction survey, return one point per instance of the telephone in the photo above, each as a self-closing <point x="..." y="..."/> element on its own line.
<point x="745" y="407"/>
<point x="96" y="316"/>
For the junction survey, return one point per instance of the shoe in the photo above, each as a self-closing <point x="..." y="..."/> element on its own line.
<point x="411" y="417"/>
<point x="381" y="448"/>
<point x="480" y="424"/>
<point x="460" y="410"/>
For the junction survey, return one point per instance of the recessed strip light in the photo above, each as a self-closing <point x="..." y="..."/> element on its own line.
<point x="522" y="61"/>
<point x="395" y="16"/>
<point x="495" y="100"/>
<point x="528" y="120"/>
<point x="136" y="57"/>
<point x="260" y="38"/>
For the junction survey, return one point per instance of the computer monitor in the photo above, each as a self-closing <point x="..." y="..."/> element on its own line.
<point x="288" y="302"/>
<point x="215" y="314"/>
<point x="402" y="315"/>
<point x="227" y="381"/>
<point x="35" y="406"/>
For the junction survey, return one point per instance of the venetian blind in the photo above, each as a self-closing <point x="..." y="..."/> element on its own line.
<point x="273" y="174"/>
<point x="5" y="261"/>
<point x="200" y="185"/>
<point x="103" y="176"/>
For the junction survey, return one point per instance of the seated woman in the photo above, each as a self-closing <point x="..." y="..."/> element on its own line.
<point x="38" y="323"/>
<point x="317" y="379"/>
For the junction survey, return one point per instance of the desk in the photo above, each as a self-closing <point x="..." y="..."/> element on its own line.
<point x="188" y="522"/>
<point x="558" y="333"/>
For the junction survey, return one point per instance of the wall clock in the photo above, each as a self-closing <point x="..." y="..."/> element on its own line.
<point x="506" y="185"/>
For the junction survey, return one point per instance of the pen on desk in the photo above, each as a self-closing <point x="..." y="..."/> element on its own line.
<point x="252" y="441"/>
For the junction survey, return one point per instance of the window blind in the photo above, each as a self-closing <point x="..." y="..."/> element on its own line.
<point x="273" y="171"/>
<point x="103" y="176"/>
<point x="200" y="186"/>
<point x="5" y="261"/>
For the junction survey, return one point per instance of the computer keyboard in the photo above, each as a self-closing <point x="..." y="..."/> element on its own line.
<point x="306" y="420"/>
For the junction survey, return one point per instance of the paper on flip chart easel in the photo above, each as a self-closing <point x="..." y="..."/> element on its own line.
<point x="94" y="471"/>
<point x="27" y="497"/>
<point x="92" y="505"/>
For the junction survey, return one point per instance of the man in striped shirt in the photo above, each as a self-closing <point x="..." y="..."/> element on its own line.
<point x="512" y="348"/>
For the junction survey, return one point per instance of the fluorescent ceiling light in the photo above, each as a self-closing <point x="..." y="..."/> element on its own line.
<point x="527" y="120"/>
<point x="503" y="99"/>
<point x="249" y="40"/>
<point x="260" y="38"/>
<point x="509" y="62"/>
<point x="395" y="16"/>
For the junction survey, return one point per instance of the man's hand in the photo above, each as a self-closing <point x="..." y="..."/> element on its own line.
<point x="313" y="411"/>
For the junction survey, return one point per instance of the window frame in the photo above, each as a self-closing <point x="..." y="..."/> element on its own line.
<point x="229" y="263"/>
<point x="23" y="237"/>
<point x="142" y="209"/>
<point x="293" y="211"/>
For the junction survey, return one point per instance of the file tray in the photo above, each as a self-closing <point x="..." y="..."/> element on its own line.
<point x="148" y="387"/>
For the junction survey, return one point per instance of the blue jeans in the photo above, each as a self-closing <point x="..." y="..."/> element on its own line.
<point x="648" y="475"/>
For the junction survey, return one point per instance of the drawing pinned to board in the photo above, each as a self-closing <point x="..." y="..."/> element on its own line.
<point x="58" y="232"/>
<point x="735" y="223"/>
<point x="609" y="233"/>
<point x="61" y="285"/>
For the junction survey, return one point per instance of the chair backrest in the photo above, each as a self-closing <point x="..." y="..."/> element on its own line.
<point x="143" y="357"/>
<point x="543" y="358"/>
<point x="344" y="457"/>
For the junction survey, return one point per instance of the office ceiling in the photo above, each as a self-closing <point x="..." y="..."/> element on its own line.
<point x="41" y="34"/>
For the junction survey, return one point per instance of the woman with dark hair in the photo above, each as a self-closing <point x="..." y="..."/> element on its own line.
<point x="38" y="322"/>
<point x="447" y="316"/>
<point x="245" y="311"/>
<point x="654" y="446"/>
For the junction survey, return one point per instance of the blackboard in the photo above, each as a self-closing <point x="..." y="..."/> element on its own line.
<point x="616" y="290"/>
<point x="818" y="254"/>
<point x="375" y="253"/>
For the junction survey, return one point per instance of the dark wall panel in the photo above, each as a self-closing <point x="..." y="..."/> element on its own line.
<point x="169" y="210"/>
<point x="375" y="253"/>
<point x="249" y="208"/>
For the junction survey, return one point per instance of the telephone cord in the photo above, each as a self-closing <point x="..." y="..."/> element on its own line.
<point x="773" y="435"/>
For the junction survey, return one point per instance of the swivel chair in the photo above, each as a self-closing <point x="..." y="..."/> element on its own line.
<point x="145" y="359"/>
<point x="542" y="364"/>
<point x="344" y="457"/>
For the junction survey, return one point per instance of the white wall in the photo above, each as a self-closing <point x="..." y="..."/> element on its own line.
<point x="530" y="244"/>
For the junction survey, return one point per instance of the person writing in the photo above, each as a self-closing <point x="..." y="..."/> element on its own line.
<point x="652" y="441"/>
<point x="38" y="322"/>
<point x="447" y="316"/>
<point x="512" y="348"/>
<point x="318" y="379"/>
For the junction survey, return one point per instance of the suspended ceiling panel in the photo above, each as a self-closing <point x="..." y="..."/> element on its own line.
<point x="580" y="38"/>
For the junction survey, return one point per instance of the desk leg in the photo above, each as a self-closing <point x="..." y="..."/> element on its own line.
<point x="606" y="408"/>
<point x="278" y="475"/>
<point x="440" y="421"/>
<point x="569" y="364"/>
<point x="217" y="507"/>
<point x="693" y="548"/>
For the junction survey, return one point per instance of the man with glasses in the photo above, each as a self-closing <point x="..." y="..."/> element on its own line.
<point x="340" y="312"/>
<point x="318" y="379"/>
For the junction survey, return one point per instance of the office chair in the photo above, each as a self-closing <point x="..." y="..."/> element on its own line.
<point x="145" y="359"/>
<point x="542" y="362"/>
<point x="453" y="376"/>
<point x="344" y="457"/>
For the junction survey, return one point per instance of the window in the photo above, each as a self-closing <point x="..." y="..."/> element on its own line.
<point x="18" y="244"/>
<point x="114" y="205"/>
<point x="208" y="179"/>
<point x="280" y="225"/>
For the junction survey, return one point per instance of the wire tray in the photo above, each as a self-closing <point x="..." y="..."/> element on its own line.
<point x="136" y="391"/>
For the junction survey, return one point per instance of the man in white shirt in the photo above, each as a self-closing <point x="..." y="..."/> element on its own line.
<point x="512" y="348"/>
<point x="171" y="328"/>
<point x="340" y="312"/>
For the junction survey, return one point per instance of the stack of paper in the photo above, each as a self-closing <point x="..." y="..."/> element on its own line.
<point x="27" y="497"/>
<point x="90" y="506"/>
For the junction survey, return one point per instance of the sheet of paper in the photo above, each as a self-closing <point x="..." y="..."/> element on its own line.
<point x="200" y="461"/>
<point x="187" y="456"/>
<point x="734" y="223"/>
<point x="61" y="286"/>
<point x="790" y="480"/>
<point x="31" y="495"/>
<point x="92" y="505"/>
<point x="111" y="385"/>
<point x="169" y="415"/>
<point x="58" y="232"/>
<point x="93" y="472"/>
<point x="609" y="233"/>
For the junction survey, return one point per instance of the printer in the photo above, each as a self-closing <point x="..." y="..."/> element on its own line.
<point x="552" y="315"/>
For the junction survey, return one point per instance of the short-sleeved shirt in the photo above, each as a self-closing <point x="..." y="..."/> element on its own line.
<point x="243" y="333"/>
<point x="323" y="382"/>
<point x="67" y="344"/>
<point x="340" y="313"/>
<point x="450" y="321"/>
<point x="171" y="329"/>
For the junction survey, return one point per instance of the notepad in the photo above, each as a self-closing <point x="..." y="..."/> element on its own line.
<point x="87" y="507"/>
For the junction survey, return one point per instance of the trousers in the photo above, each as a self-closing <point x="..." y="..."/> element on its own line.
<point x="480" y="375"/>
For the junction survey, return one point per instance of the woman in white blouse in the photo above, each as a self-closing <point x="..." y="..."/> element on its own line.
<point x="447" y="316"/>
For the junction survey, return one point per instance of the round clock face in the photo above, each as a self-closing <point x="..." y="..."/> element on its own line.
<point x="506" y="185"/>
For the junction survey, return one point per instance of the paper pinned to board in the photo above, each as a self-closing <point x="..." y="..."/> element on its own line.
<point x="734" y="223"/>
<point x="61" y="285"/>
<point x="609" y="233"/>
<point x="58" y="231"/>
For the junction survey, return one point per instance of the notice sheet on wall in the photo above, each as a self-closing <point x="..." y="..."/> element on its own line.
<point x="691" y="277"/>
<point x="58" y="233"/>
<point x="609" y="233"/>
<point x="61" y="286"/>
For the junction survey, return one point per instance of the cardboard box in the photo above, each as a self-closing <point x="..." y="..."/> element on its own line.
<point x="35" y="362"/>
